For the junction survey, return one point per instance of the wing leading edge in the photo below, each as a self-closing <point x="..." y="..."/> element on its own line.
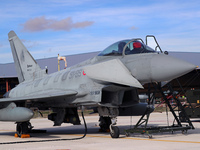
<point x="46" y="95"/>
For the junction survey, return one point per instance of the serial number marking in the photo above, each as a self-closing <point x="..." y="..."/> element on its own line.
<point x="94" y="92"/>
<point x="75" y="74"/>
<point x="29" y="69"/>
<point x="28" y="66"/>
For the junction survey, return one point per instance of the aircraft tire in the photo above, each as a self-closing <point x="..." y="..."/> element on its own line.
<point x="115" y="132"/>
<point x="19" y="129"/>
<point x="22" y="128"/>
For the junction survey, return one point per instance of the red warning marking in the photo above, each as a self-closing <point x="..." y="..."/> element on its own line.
<point x="84" y="73"/>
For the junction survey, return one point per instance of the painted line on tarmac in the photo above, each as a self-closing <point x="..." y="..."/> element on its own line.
<point x="157" y="140"/>
<point x="132" y="138"/>
<point x="7" y="131"/>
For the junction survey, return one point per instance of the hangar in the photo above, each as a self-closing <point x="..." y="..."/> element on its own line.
<point x="8" y="75"/>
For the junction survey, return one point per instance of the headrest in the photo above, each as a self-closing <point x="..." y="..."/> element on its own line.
<point x="137" y="45"/>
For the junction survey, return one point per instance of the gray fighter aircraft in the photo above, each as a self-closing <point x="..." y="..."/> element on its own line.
<point x="108" y="82"/>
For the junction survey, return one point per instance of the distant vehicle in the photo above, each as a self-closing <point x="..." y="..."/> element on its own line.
<point x="108" y="82"/>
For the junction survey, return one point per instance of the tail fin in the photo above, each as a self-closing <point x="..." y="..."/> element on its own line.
<point x="26" y="67"/>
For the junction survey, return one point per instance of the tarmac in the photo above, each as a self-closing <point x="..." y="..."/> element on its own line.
<point x="66" y="135"/>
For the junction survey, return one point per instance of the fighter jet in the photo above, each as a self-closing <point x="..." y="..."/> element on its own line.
<point x="107" y="82"/>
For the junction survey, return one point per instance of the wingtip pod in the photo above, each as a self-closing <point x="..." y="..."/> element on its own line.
<point x="16" y="114"/>
<point x="11" y="34"/>
<point x="112" y="71"/>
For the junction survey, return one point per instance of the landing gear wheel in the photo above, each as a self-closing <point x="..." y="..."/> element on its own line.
<point x="150" y="136"/>
<point x="114" y="131"/>
<point x="127" y="134"/>
<point x="19" y="129"/>
<point x="23" y="128"/>
<point x="184" y="131"/>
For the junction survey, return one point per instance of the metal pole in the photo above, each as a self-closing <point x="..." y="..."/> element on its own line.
<point x="6" y="85"/>
<point x="58" y="64"/>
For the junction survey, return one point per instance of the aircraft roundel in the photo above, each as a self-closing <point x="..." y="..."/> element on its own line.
<point x="84" y="73"/>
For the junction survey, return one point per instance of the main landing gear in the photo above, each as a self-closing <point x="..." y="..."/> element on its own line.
<point x="23" y="128"/>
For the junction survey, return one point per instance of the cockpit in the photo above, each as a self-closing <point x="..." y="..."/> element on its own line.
<point x="126" y="47"/>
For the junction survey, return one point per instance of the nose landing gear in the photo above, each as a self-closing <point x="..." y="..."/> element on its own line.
<point x="108" y="120"/>
<point x="114" y="130"/>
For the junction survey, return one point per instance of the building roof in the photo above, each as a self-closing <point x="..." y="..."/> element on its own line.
<point x="8" y="70"/>
<point x="192" y="57"/>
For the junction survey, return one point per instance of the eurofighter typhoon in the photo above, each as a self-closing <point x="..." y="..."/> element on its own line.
<point x="107" y="82"/>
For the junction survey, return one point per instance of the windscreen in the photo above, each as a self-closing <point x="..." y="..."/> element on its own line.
<point x="134" y="47"/>
<point x="115" y="49"/>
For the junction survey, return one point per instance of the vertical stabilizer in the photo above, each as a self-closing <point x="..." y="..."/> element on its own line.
<point x="25" y="64"/>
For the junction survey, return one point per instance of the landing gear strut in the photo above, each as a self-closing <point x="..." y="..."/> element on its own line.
<point x="104" y="124"/>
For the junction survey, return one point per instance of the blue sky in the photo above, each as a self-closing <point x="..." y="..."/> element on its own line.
<point x="49" y="27"/>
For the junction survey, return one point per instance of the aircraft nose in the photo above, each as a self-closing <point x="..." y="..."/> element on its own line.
<point x="165" y="67"/>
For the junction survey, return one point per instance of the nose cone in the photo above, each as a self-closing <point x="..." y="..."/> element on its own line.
<point x="164" y="67"/>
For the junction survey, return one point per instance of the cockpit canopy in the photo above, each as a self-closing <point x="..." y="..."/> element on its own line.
<point x="126" y="47"/>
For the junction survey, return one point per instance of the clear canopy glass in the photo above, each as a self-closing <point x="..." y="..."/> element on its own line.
<point x="126" y="47"/>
